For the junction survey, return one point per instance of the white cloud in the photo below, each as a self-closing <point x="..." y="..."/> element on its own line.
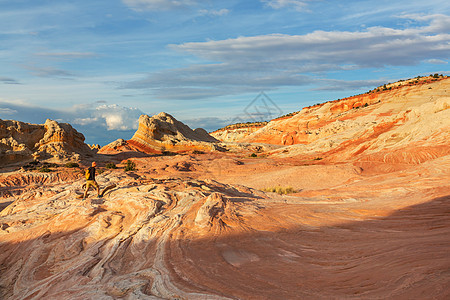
<point x="157" y="5"/>
<point x="67" y="55"/>
<point x="278" y="4"/>
<point x="7" y="111"/>
<point x="85" y="121"/>
<point x="265" y="62"/>
<point x="437" y="61"/>
<point x="215" y="13"/>
<point x="113" y="117"/>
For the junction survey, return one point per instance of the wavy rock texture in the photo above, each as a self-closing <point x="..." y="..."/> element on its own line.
<point x="234" y="135"/>
<point x="374" y="237"/>
<point x="407" y="125"/>
<point x="21" y="141"/>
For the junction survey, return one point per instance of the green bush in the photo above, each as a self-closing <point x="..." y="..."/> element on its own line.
<point x="111" y="165"/>
<point x="130" y="166"/>
<point x="72" y="165"/>
<point x="254" y="155"/>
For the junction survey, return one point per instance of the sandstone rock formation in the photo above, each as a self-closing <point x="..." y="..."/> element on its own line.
<point x="368" y="218"/>
<point x="21" y="141"/>
<point x="405" y="125"/>
<point x="376" y="237"/>
<point x="163" y="132"/>
<point x="237" y="132"/>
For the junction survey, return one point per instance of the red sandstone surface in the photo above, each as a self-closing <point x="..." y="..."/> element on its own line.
<point x="361" y="125"/>
<point x="369" y="218"/>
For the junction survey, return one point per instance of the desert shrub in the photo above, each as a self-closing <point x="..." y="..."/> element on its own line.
<point x="280" y="190"/>
<point x="318" y="158"/>
<point x="130" y="166"/>
<point x="168" y="153"/>
<point x="50" y="165"/>
<point x="44" y="169"/>
<point x="253" y="155"/>
<point x="72" y="165"/>
<point x="111" y="165"/>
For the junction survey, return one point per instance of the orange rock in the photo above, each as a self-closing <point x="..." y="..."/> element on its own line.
<point x="163" y="132"/>
<point x="21" y="141"/>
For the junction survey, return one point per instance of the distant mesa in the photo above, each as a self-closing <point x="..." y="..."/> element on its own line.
<point x="51" y="141"/>
<point x="163" y="132"/>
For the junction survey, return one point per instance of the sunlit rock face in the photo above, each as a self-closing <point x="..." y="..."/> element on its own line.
<point x="234" y="134"/>
<point x="162" y="132"/>
<point x="58" y="142"/>
<point x="405" y="123"/>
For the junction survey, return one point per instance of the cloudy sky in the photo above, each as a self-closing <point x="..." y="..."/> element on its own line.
<point x="100" y="64"/>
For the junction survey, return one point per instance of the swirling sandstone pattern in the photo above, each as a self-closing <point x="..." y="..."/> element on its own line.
<point x="377" y="127"/>
<point x="383" y="236"/>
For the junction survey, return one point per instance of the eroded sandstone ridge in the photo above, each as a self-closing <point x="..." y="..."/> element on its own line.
<point x="402" y="123"/>
<point x="21" y="141"/>
<point x="162" y="132"/>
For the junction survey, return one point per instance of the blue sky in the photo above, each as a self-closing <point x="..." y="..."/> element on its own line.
<point x="100" y="64"/>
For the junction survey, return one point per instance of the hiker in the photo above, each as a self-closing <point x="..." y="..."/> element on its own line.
<point x="90" y="180"/>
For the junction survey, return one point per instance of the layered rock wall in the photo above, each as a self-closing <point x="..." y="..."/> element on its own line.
<point x="362" y="127"/>
<point x="163" y="132"/>
<point x="21" y="141"/>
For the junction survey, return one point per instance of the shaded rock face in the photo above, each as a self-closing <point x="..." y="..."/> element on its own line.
<point x="163" y="132"/>
<point x="21" y="141"/>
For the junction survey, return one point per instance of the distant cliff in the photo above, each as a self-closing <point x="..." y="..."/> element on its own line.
<point x="55" y="141"/>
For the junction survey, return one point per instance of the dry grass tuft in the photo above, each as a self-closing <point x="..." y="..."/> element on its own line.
<point x="280" y="190"/>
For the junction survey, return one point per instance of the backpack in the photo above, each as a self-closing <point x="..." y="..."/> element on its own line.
<point x="86" y="174"/>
